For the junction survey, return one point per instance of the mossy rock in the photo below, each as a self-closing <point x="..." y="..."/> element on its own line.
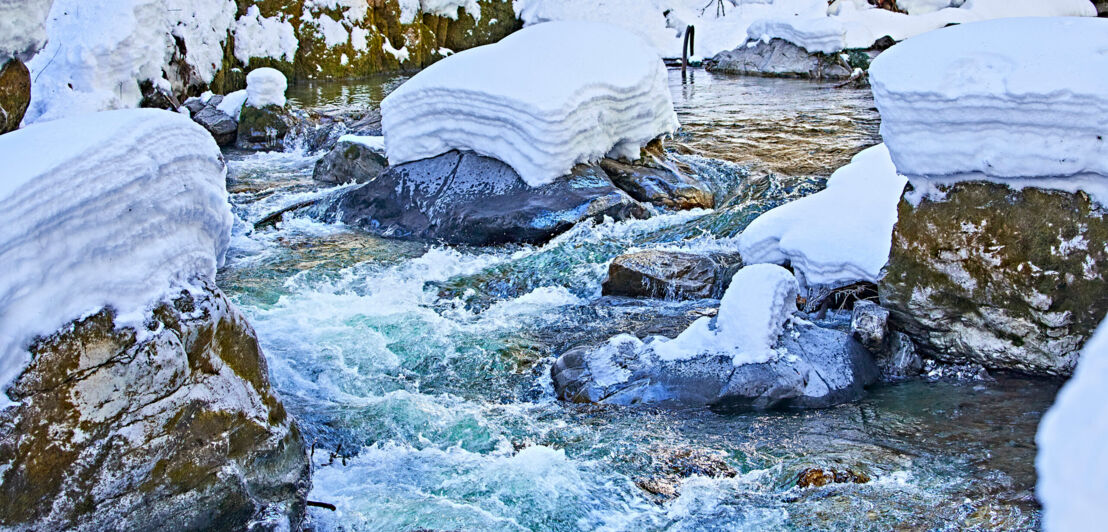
<point x="15" y="94"/>
<point x="264" y="128"/>
<point x="177" y="431"/>
<point x="1005" y="278"/>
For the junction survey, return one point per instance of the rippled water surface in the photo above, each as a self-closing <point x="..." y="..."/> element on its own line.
<point x="419" y="373"/>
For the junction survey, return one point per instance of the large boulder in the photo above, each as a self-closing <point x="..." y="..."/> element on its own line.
<point x="15" y="94"/>
<point x="223" y="127"/>
<point x="657" y="185"/>
<point x="263" y="128"/>
<point x="465" y="198"/>
<point x="172" y="427"/>
<point x="1005" y="278"/>
<point x="350" y="161"/>
<point x="670" y="274"/>
<point x="779" y="58"/>
<point x="816" y="368"/>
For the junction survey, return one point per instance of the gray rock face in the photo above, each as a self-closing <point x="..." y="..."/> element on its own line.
<point x="663" y="187"/>
<point x="222" y="127"/>
<point x="349" y="161"/>
<point x="179" y="431"/>
<point x="464" y="198"/>
<point x="902" y="359"/>
<point x="869" y="325"/>
<point x="670" y="275"/>
<point x="1008" y="279"/>
<point x="819" y="368"/>
<point x="779" y="58"/>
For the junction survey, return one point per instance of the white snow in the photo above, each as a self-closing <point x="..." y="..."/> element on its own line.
<point x="839" y="235"/>
<point x="446" y="8"/>
<point x="1018" y="100"/>
<point x="265" y="86"/>
<point x="374" y="143"/>
<point x="751" y="317"/>
<point x="22" y="26"/>
<point x="332" y="31"/>
<point x="542" y="100"/>
<point x="258" y="36"/>
<point x="232" y="104"/>
<point x="1072" y="463"/>
<point x="113" y="209"/>
<point x="400" y="54"/>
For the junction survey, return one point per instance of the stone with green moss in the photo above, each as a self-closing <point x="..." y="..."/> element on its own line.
<point x="15" y="94"/>
<point x="263" y="128"/>
<point x="1004" y="278"/>
<point x="179" y="430"/>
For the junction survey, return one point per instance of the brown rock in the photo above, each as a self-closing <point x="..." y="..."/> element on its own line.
<point x="15" y="94"/>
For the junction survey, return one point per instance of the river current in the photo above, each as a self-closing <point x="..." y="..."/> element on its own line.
<point x="419" y="373"/>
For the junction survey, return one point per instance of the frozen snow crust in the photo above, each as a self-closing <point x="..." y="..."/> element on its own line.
<point x="541" y="100"/>
<point x="839" y="235"/>
<point x="113" y="209"/>
<point x="1010" y="99"/>
<point x="1072" y="463"/>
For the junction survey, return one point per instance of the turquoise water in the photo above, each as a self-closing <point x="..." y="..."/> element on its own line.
<point x="419" y="373"/>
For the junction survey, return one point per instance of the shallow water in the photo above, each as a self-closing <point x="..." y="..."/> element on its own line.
<point x="420" y="373"/>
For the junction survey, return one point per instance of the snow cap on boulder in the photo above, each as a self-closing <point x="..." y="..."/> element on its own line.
<point x="266" y="86"/>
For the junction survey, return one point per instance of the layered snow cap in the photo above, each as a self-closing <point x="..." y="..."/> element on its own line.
<point x="22" y="26"/>
<point x="266" y="86"/>
<point x="1072" y="463"/>
<point x="112" y="209"/>
<point x="839" y="235"/>
<point x="1016" y="100"/>
<point x="541" y="100"/>
<point x="751" y="316"/>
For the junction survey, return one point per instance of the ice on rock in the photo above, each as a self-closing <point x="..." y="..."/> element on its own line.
<point x="542" y="100"/>
<point x="839" y="235"/>
<point x="1016" y="100"/>
<point x="114" y="209"/>
<point x="1071" y="462"/>
<point x="265" y="86"/>
<point x="751" y="317"/>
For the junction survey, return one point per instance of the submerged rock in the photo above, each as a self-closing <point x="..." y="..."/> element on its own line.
<point x="779" y="58"/>
<point x="815" y="368"/>
<point x="1009" y="279"/>
<point x="350" y="162"/>
<point x="15" y="94"/>
<point x="659" y="186"/>
<point x="174" y="427"/>
<point x="465" y="198"/>
<point x="263" y="128"/>
<point x="670" y="275"/>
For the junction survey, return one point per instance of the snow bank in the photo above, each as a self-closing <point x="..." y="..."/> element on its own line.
<point x="542" y="100"/>
<point x="258" y="36"/>
<point x="266" y="86"/>
<point x="113" y="209"/>
<point x="1003" y="99"/>
<point x="22" y="26"/>
<point x="839" y="235"/>
<point x="231" y="105"/>
<point x="1072" y="462"/>
<point x="751" y="316"/>
<point x="446" y="8"/>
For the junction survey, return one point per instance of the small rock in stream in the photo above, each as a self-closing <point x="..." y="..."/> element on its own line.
<point x="670" y="275"/>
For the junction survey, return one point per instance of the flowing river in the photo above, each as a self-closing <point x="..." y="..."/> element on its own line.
<point x="420" y="373"/>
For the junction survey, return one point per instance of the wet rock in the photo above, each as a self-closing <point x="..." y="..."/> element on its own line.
<point x="670" y="275"/>
<point x="869" y="325"/>
<point x="178" y="429"/>
<point x="659" y="186"/>
<point x="15" y="94"/>
<point x="264" y="128"/>
<point x="902" y="359"/>
<point x="815" y="477"/>
<point x="195" y="104"/>
<point x="1008" y="279"/>
<point x="779" y="58"/>
<point x="465" y="198"/>
<point x="816" y="368"/>
<point x="672" y="465"/>
<point x="350" y="161"/>
<point x="222" y="126"/>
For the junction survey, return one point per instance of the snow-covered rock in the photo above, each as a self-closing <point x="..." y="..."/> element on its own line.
<point x="266" y="86"/>
<point x="22" y="27"/>
<point x="590" y="90"/>
<point x="231" y="104"/>
<point x="113" y="209"/>
<point x="1071" y="462"/>
<point x="839" y="235"/>
<point x="999" y="100"/>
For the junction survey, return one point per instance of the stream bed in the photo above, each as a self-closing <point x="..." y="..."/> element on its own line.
<point x="419" y="373"/>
